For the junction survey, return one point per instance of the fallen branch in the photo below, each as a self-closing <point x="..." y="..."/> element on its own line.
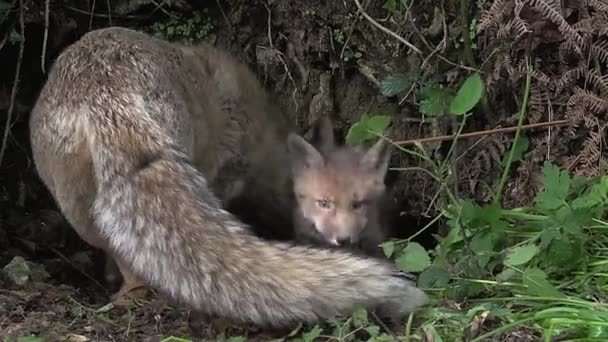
<point x="482" y="133"/>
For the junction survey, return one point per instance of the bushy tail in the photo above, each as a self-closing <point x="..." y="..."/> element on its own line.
<point x="164" y="221"/>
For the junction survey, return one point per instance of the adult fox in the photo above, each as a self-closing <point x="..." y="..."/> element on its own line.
<point x="142" y="142"/>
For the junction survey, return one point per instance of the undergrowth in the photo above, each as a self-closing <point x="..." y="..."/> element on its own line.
<point x="529" y="273"/>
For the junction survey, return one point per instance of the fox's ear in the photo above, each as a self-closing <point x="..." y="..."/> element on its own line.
<point x="321" y="134"/>
<point x="376" y="159"/>
<point x="302" y="155"/>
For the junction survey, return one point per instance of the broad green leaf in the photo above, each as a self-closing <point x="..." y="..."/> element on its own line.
<point x="468" y="95"/>
<point x="378" y="123"/>
<point x="388" y="248"/>
<point x="413" y="258"/>
<point x="434" y="102"/>
<point x="363" y="129"/>
<point x="482" y="243"/>
<point x="537" y="284"/>
<point x="521" y="255"/>
<point x="433" y="277"/>
<point x="393" y="85"/>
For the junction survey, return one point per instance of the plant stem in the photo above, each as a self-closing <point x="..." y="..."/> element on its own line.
<point x="522" y="113"/>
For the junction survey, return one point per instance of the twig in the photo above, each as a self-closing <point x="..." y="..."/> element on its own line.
<point x="47" y="10"/>
<point x="11" y="106"/>
<point x="88" y="276"/>
<point x="483" y="133"/>
<point x="225" y="17"/>
<point x="109" y="12"/>
<point x="159" y="6"/>
<point x="91" y="15"/>
<point x="109" y="15"/>
<point x="428" y="58"/>
<point x="269" y="25"/>
<point x="348" y="37"/>
<point x="385" y="30"/>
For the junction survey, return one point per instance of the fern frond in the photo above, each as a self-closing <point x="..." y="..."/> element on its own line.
<point x="594" y="103"/>
<point x="598" y="5"/>
<point x="538" y="100"/>
<point x="550" y="13"/>
<point x="600" y="50"/>
<point x="492" y="16"/>
<point x="591" y="77"/>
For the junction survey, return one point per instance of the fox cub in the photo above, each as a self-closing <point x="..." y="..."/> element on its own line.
<point x="339" y="190"/>
<point x="142" y="142"/>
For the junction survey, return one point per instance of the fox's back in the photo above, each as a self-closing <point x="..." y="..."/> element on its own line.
<point x="198" y="98"/>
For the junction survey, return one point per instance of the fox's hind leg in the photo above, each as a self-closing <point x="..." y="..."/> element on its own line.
<point x="129" y="285"/>
<point x="72" y="182"/>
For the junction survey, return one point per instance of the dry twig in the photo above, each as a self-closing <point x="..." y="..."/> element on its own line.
<point x="385" y="30"/>
<point x="482" y="133"/>
<point x="47" y="10"/>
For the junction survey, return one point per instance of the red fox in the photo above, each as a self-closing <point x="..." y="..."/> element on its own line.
<point x="339" y="190"/>
<point x="142" y="141"/>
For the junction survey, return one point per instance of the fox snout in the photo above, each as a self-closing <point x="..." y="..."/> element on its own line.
<point x="337" y="232"/>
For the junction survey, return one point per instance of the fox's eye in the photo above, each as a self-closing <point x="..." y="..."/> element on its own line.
<point x="358" y="204"/>
<point x="323" y="203"/>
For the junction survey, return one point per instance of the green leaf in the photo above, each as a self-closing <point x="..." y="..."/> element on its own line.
<point x="556" y="183"/>
<point x="505" y="275"/>
<point x="537" y="284"/>
<point x="482" y="243"/>
<point x="468" y="95"/>
<point x="521" y="255"/>
<point x="359" y="316"/>
<point x="564" y="255"/>
<point x="389" y="248"/>
<point x="30" y="339"/>
<point x="391" y="6"/>
<point x="433" y="277"/>
<point x="366" y="128"/>
<point x="434" y="101"/>
<point x="393" y="85"/>
<point x="312" y="334"/>
<point x="519" y="149"/>
<point x="429" y="330"/>
<point x="413" y="258"/>
<point x="236" y="339"/>
<point x="373" y="330"/>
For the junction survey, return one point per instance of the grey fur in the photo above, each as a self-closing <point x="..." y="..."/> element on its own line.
<point x="132" y="135"/>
